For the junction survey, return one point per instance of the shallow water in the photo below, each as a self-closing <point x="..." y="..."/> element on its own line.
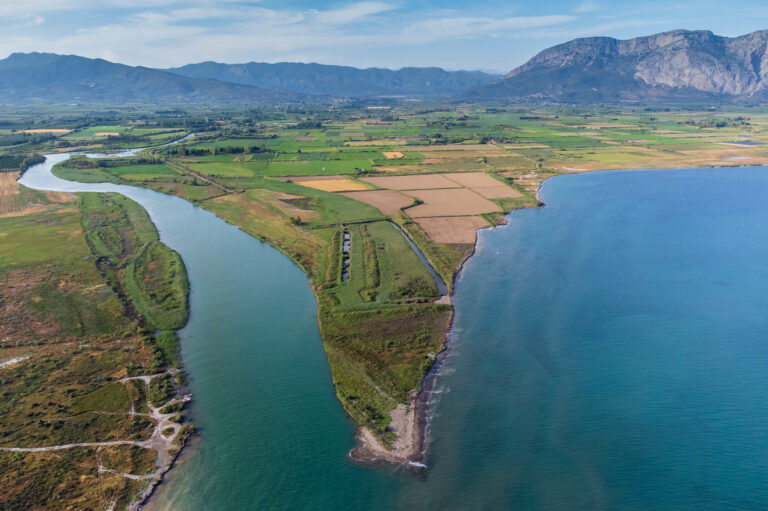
<point x="609" y="352"/>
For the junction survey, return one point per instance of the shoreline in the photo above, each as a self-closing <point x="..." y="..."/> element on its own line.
<point x="411" y="453"/>
<point x="166" y="447"/>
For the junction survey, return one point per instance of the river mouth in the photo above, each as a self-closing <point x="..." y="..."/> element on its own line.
<point x="625" y="370"/>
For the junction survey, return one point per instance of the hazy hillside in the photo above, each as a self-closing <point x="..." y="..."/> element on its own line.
<point x="675" y="66"/>
<point x="340" y="81"/>
<point x="62" y="78"/>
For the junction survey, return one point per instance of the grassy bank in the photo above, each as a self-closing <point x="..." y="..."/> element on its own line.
<point x="152" y="275"/>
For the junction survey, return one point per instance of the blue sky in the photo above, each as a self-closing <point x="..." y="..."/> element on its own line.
<point x="490" y="35"/>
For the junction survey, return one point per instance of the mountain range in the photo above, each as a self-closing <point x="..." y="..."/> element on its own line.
<point x="676" y="66"/>
<point x="47" y="77"/>
<point x="673" y="66"/>
<point x="341" y="81"/>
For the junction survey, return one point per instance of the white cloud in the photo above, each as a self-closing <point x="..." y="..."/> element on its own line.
<point x="586" y="6"/>
<point x="109" y="55"/>
<point x="41" y="7"/>
<point x="462" y="27"/>
<point x="166" y="33"/>
<point x="351" y="13"/>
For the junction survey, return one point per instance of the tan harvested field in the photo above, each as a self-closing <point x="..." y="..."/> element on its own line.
<point x="485" y="185"/>
<point x="420" y="182"/>
<point x="8" y="184"/>
<point x="352" y="134"/>
<point x="387" y="201"/>
<point x="454" y="202"/>
<point x="107" y="134"/>
<point x="299" y="179"/>
<point x="13" y="203"/>
<point x="501" y="191"/>
<point x="334" y="185"/>
<point x="452" y="229"/>
<point x="54" y="131"/>
<point x="474" y="179"/>
<point x="305" y="139"/>
<point x="511" y="162"/>
<point x="392" y="155"/>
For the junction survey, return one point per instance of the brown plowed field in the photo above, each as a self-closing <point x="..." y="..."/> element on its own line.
<point x="386" y="201"/>
<point x="485" y="185"/>
<point x="421" y="182"/>
<point x="474" y="179"/>
<point x="452" y="202"/>
<point x="452" y="229"/>
<point x="499" y="191"/>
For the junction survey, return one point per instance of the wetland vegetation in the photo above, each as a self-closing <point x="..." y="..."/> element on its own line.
<point x="81" y="350"/>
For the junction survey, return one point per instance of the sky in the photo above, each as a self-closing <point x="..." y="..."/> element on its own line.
<point x="489" y="35"/>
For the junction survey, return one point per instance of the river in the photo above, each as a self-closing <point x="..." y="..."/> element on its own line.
<point x="609" y="352"/>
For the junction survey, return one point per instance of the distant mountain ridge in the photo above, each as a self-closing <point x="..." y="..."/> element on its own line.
<point x="50" y="77"/>
<point x="676" y="66"/>
<point x="340" y="81"/>
<point x="673" y="66"/>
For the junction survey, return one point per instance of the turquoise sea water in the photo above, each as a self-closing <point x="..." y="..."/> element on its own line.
<point x="610" y="351"/>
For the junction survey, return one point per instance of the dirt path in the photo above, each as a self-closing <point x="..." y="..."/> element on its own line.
<point x="165" y="446"/>
<point x="198" y="175"/>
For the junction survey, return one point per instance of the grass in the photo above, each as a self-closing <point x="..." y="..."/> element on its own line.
<point x="152" y="275"/>
<point x="113" y="397"/>
<point x="379" y="356"/>
<point x="57" y="481"/>
<point x="384" y="270"/>
<point x="156" y="282"/>
<point x="119" y="175"/>
<point x="168" y="344"/>
<point x="128" y="459"/>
